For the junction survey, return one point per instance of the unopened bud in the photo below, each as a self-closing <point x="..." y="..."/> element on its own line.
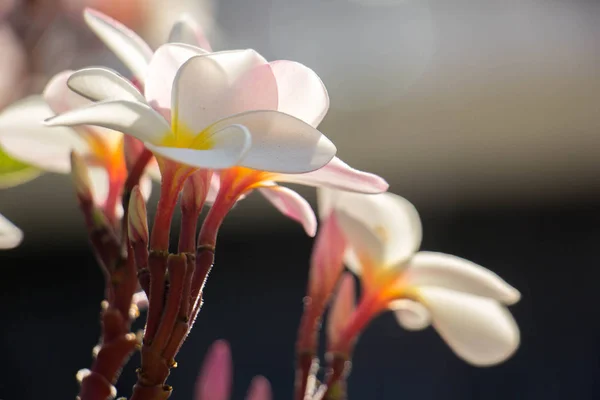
<point x="81" y="177"/>
<point x="196" y="189"/>
<point x="342" y="308"/>
<point x="138" y="220"/>
<point x="327" y="261"/>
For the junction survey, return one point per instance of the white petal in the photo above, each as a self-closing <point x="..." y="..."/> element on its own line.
<point x="98" y="84"/>
<point x="211" y="87"/>
<point x="479" y="330"/>
<point x="161" y="72"/>
<point x="301" y="92"/>
<point x="391" y="219"/>
<point x="339" y="175"/>
<point x="24" y="137"/>
<point x="58" y="95"/>
<point x="10" y="235"/>
<point x="444" y="270"/>
<point x="366" y="246"/>
<point x="292" y="205"/>
<point x="282" y="143"/>
<point x="186" y="30"/>
<point x="229" y="146"/>
<point x="129" y="47"/>
<point x="411" y="315"/>
<point x="135" y="119"/>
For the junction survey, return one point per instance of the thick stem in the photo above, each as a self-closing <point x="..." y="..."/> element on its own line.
<point x="157" y="265"/>
<point x="339" y="369"/>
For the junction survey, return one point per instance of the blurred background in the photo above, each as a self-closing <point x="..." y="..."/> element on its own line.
<point x="485" y="114"/>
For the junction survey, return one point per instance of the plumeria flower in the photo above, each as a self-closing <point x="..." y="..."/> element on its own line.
<point x="25" y="138"/>
<point x="10" y="235"/>
<point x="286" y="86"/>
<point x="464" y="302"/>
<point x="214" y="381"/>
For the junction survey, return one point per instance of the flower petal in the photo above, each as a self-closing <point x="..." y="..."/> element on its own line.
<point x="211" y="87"/>
<point x="186" y="30"/>
<point x="327" y="259"/>
<point x="391" y="219"/>
<point x="24" y="137"/>
<point x="10" y="235"/>
<point x="479" y="330"/>
<point x="229" y="146"/>
<point x="214" y="381"/>
<point x="163" y="67"/>
<point x="451" y="272"/>
<point x="58" y="95"/>
<point x="292" y="205"/>
<point x="411" y="315"/>
<point x="282" y="143"/>
<point x="260" y="389"/>
<point x="339" y="175"/>
<point x="301" y="92"/>
<point x="98" y="84"/>
<point x="342" y="308"/>
<point x="367" y="248"/>
<point x="129" y="47"/>
<point x="129" y="117"/>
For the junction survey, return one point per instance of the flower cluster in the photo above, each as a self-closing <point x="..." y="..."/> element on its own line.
<point x="212" y="127"/>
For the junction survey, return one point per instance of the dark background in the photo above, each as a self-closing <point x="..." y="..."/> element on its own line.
<point x="50" y="295"/>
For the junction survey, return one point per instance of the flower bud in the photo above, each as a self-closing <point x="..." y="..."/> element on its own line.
<point x="138" y="220"/>
<point x="81" y="177"/>
<point x="196" y="189"/>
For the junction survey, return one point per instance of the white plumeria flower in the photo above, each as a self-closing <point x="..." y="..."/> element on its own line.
<point x="299" y="93"/>
<point x="25" y="138"/>
<point x="10" y="235"/>
<point x="465" y="302"/>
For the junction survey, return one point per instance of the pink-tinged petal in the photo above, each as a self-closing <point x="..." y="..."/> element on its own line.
<point x="214" y="381"/>
<point x="282" y="143"/>
<point x="59" y="97"/>
<point x="479" y="330"/>
<point x="10" y="235"/>
<point x="187" y="31"/>
<point x="229" y="144"/>
<point x="342" y="308"/>
<point x="135" y="119"/>
<point x="213" y="190"/>
<point x="127" y="46"/>
<point x="98" y="84"/>
<point x="339" y="175"/>
<point x="301" y="92"/>
<point x="451" y="272"/>
<point x="411" y="315"/>
<point x="327" y="260"/>
<point x="211" y="87"/>
<point x="292" y="205"/>
<point x="161" y="72"/>
<point x="24" y="137"/>
<point x="393" y="224"/>
<point x="260" y="389"/>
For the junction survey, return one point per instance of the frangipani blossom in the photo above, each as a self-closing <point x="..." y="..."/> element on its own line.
<point x="465" y="302"/>
<point x="285" y="86"/>
<point x="214" y="381"/>
<point x="24" y="137"/>
<point x="10" y="235"/>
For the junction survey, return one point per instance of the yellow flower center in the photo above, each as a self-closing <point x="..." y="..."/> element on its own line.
<point x="184" y="138"/>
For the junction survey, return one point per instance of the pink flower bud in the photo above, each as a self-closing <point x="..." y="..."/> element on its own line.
<point x="138" y="220"/>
